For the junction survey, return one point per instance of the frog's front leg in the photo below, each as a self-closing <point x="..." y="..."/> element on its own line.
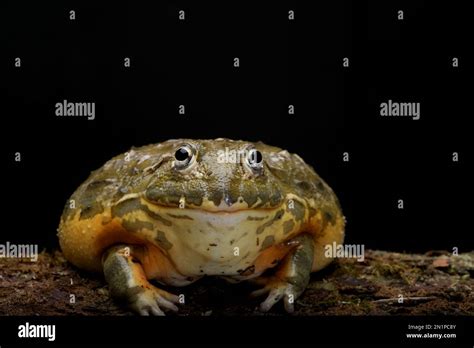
<point x="290" y="278"/>
<point x="128" y="283"/>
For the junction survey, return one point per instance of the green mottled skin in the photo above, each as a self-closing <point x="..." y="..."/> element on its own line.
<point x="148" y="169"/>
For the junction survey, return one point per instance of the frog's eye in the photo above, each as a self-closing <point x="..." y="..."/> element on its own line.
<point x="183" y="156"/>
<point x="255" y="159"/>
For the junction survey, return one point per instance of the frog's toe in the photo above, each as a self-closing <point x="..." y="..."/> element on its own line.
<point x="168" y="297"/>
<point x="276" y="292"/>
<point x="146" y="306"/>
<point x="167" y="300"/>
<point x="151" y="302"/>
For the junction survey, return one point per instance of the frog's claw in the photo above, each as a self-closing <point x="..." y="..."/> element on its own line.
<point x="149" y="301"/>
<point x="291" y="277"/>
<point x="277" y="290"/>
<point x="128" y="283"/>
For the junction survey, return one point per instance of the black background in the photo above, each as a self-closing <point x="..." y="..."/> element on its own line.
<point x="282" y="62"/>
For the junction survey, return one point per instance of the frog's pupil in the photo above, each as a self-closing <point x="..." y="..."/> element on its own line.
<point x="259" y="157"/>
<point x="255" y="157"/>
<point x="181" y="154"/>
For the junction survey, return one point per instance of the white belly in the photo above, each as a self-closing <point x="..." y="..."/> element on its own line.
<point x="216" y="243"/>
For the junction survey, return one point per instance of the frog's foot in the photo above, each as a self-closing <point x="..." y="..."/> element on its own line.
<point x="276" y="289"/>
<point x="291" y="277"/>
<point x="148" y="301"/>
<point x="128" y="283"/>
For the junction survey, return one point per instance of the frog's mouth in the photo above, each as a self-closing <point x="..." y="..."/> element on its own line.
<point x="208" y="206"/>
<point x="220" y="200"/>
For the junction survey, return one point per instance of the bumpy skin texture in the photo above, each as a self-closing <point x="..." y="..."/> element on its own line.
<point x="143" y="216"/>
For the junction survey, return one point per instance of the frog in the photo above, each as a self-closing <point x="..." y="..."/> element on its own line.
<point x="168" y="214"/>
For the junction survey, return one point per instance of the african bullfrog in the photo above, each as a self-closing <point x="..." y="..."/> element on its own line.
<point x="180" y="210"/>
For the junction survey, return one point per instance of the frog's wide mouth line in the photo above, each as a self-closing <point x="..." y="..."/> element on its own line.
<point x="210" y="207"/>
<point x="197" y="209"/>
